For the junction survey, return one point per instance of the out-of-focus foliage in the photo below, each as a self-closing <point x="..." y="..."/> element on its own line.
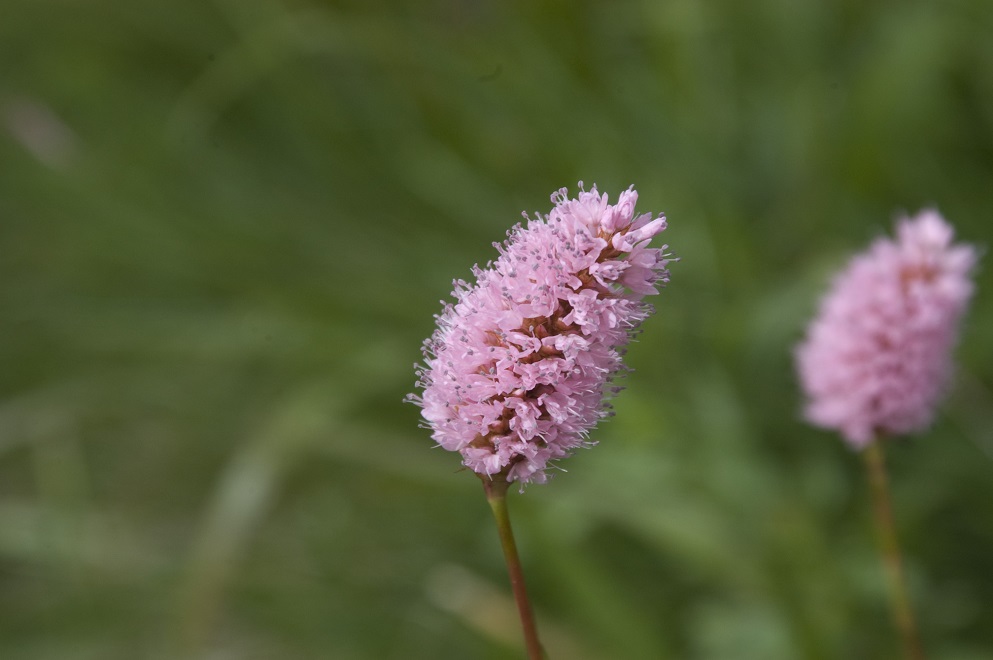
<point x="224" y="228"/>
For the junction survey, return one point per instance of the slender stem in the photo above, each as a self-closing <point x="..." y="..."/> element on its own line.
<point x="496" y="495"/>
<point x="903" y="615"/>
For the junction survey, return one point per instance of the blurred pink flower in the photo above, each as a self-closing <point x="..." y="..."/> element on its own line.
<point x="877" y="357"/>
<point x="516" y="373"/>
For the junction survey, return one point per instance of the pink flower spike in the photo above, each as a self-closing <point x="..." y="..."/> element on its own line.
<point x="517" y="372"/>
<point x="877" y="358"/>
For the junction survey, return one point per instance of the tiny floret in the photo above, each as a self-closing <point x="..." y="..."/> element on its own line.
<point x="877" y="358"/>
<point x="516" y="374"/>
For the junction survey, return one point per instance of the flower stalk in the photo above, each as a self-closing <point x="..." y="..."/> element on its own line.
<point x="496" y="494"/>
<point x="882" y="509"/>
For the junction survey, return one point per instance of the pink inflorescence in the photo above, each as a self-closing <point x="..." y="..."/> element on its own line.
<point x="516" y="373"/>
<point x="877" y="358"/>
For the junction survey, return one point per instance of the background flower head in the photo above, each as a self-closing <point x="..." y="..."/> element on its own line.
<point x="517" y="372"/>
<point x="877" y="357"/>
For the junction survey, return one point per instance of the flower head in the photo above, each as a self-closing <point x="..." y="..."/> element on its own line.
<point x="877" y="358"/>
<point x="516" y="373"/>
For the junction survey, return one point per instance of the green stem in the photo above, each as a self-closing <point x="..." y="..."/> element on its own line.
<point x="903" y="615"/>
<point x="496" y="495"/>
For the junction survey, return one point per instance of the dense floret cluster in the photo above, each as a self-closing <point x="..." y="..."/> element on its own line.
<point x="877" y="357"/>
<point x="517" y="372"/>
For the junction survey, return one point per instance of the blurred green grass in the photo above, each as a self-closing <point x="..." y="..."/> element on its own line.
<point x="224" y="228"/>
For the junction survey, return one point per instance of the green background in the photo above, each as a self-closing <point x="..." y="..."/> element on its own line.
<point x="225" y="227"/>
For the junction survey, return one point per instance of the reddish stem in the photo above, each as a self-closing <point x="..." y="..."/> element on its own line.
<point x="496" y="494"/>
<point x="903" y="615"/>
